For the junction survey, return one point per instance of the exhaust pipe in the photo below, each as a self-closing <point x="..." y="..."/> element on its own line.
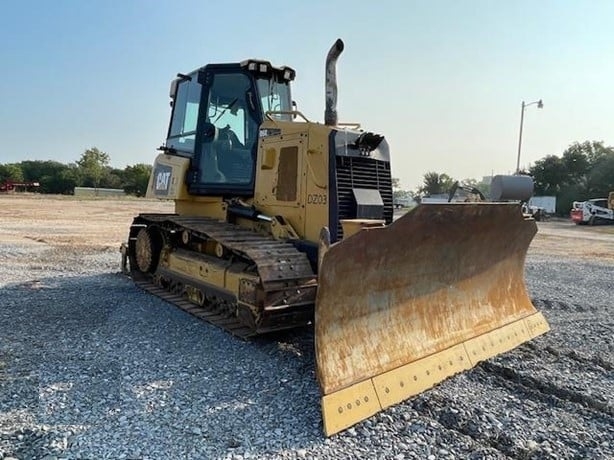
<point x="330" y="113"/>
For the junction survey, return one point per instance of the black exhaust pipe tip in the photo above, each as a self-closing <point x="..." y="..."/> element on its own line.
<point x="330" y="113"/>
<point x="339" y="45"/>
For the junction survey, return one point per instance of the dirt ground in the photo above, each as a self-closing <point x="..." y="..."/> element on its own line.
<point x="562" y="237"/>
<point x="104" y="223"/>
<point x="58" y="220"/>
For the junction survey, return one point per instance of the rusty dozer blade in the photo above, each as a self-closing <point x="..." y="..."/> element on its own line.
<point x="402" y="307"/>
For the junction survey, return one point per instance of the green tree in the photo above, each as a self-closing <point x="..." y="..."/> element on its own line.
<point x="600" y="179"/>
<point x="585" y="170"/>
<point x="137" y="177"/>
<point x="92" y="166"/>
<point x="112" y="178"/>
<point x="593" y="150"/>
<point x="53" y="176"/>
<point x="549" y="175"/>
<point x="11" y="171"/>
<point x="66" y="180"/>
<point x="576" y="165"/>
<point x="435" y="184"/>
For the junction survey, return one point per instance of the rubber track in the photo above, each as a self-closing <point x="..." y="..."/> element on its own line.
<point x="226" y="322"/>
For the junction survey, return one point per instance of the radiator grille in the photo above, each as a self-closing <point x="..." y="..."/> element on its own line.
<point x="361" y="172"/>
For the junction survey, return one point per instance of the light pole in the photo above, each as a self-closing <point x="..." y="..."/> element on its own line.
<point x="540" y="105"/>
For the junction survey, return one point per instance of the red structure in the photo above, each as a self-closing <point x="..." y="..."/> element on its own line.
<point x="11" y="186"/>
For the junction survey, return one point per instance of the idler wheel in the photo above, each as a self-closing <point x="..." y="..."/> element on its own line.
<point x="147" y="249"/>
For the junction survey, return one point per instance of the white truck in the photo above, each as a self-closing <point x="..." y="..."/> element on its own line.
<point x="591" y="212"/>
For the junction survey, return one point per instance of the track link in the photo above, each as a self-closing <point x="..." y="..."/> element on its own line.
<point x="226" y="322"/>
<point x="281" y="270"/>
<point x="276" y="260"/>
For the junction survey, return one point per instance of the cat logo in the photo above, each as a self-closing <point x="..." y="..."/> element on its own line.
<point x="162" y="179"/>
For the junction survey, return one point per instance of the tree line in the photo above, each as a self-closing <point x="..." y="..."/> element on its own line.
<point x="584" y="171"/>
<point x="91" y="170"/>
<point x="434" y="183"/>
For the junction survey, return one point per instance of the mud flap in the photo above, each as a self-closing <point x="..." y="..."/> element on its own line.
<point x="401" y="308"/>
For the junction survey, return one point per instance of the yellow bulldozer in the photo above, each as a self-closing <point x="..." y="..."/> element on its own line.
<point x="281" y="222"/>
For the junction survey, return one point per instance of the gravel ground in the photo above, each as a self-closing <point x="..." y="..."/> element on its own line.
<point x="91" y="367"/>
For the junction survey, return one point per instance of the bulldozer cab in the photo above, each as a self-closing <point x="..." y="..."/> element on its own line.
<point x="216" y="116"/>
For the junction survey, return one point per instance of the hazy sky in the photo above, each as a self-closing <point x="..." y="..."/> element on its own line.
<point x="442" y="80"/>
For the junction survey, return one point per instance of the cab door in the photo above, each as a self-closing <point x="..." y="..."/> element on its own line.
<point x="225" y="155"/>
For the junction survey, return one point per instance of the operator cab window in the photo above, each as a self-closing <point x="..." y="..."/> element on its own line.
<point x="226" y="151"/>
<point x="182" y="132"/>
<point x="275" y="97"/>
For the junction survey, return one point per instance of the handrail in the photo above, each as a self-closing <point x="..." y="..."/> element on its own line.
<point x="268" y="114"/>
<point x="350" y="124"/>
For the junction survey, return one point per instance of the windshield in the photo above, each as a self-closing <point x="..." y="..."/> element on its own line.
<point x="275" y="97"/>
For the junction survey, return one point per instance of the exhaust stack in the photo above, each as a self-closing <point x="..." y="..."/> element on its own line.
<point x="330" y="113"/>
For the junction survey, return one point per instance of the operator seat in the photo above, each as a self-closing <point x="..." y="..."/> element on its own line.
<point x="210" y="153"/>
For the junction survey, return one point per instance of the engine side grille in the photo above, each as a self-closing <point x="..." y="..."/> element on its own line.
<point x="361" y="172"/>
